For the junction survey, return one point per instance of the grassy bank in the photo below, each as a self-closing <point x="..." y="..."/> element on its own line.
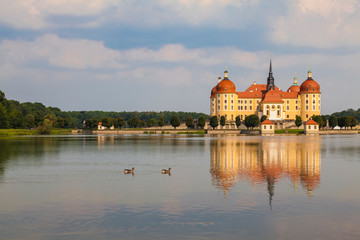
<point x="290" y="131"/>
<point x="24" y="132"/>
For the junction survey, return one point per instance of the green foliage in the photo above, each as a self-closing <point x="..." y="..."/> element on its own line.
<point x="189" y="122"/>
<point x="348" y="112"/>
<point x="4" y="118"/>
<point x="237" y="121"/>
<point x="92" y="123"/>
<point x="201" y="122"/>
<point x="298" y="121"/>
<point x="263" y="118"/>
<point x="290" y="131"/>
<point x="252" y="121"/>
<point x="45" y="128"/>
<point x="175" y="121"/>
<point x="107" y="122"/>
<point x="29" y="121"/>
<point x="214" y="122"/>
<point x="319" y="120"/>
<point x="333" y="121"/>
<point x="347" y="121"/>
<point x="120" y="122"/>
<point x="151" y="122"/>
<point x="133" y="122"/>
<point x="161" y="122"/>
<point x="2" y="96"/>
<point x="222" y="121"/>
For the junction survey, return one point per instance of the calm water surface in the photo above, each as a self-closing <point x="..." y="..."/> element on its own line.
<point x="235" y="187"/>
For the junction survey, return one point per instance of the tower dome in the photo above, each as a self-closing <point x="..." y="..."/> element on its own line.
<point x="310" y="85"/>
<point x="225" y="85"/>
<point x="295" y="87"/>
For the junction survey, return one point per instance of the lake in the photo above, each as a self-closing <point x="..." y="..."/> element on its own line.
<point x="220" y="187"/>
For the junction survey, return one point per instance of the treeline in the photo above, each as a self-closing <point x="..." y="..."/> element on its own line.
<point x="349" y="112"/>
<point x="14" y="114"/>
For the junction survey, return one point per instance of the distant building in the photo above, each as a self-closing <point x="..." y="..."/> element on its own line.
<point x="267" y="127"/>
<point x="101" y="127"/>
<point x="266" y="99"/>
<point x="311" y="127"/>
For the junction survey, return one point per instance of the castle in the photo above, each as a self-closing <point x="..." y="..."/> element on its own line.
<point x="266" y="99"/>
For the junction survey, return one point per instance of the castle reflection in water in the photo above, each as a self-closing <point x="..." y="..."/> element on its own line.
<point x="266" y="160"/>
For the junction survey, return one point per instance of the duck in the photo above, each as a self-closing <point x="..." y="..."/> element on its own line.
<point x="129" y="170"/>
<point x="166" y="171"/>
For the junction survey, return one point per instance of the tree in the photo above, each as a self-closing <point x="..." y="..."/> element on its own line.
<point x="353" y="121"/>
<point x="341" y="122"/>
<point x="107" y="122"/>
<point x="120" y="122"/>
<point x="151" y="122"/>
<point x="189" y="122"/>
<point x="4" y="119"/>
<point x="252" y="121"/>
<point x="333" y="121"/>
<point x="298" y="121"/>
<point x="318" y="119"/>
<point x="175" y="121"/>
<point x="222" y="121"/>
<point x="214" y="122"/>
<point x="324" y="118"/>
<point x="161" y="122"/>
<point x="201" y="122"/>
<point x="29" y="121"/>
<point x="46" y="127"/>
<point x="15" y="119"/>
<point x="237" y="121"/>
<point x="133" y="122"/>
<point x="263" y="118"/>
<point x="2" y="96"/>
<point x="62" y="122"/>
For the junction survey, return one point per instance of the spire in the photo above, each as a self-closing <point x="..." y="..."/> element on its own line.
<point x="309" y="73"/>
<point x="270" y="79"/>
<point x="295" y="80"/>
<point x="225" y="73"/>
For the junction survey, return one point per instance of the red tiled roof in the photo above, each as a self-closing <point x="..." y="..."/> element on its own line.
<point x="267" y="122"/>
<point x="311" y="122"/>
<point x="272" y="96"/>
<point x="310" y="86"/>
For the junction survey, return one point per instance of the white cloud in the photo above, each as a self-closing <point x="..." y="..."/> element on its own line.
<point x="321" y="24"/>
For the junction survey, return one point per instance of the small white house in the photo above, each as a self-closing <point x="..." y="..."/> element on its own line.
<point x="101" y="127"/>
<point x="311" y="127"/>
<point x="267" y="127"/>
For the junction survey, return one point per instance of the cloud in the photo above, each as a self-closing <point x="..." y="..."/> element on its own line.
<point x="43" y="14"/>
<point x="320" y="24"/>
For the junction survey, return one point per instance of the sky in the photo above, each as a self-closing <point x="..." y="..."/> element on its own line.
<point x="166" y="55"/>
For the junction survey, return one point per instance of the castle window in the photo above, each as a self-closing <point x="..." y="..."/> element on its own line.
<point x="250" y="107"/>
<point x="245" y="107"/>
<point x="250" y="101"/>
<point x="225" y="107"/>
<point x="245" y="101"/>
<point x="314" y="107"/>
<point x="270" y="127"/>
<point x="264" y="126"/>
<point x="219" y="101"/>
<point x="287" y="108"/>
<point x="241" y="107"/>
<point x="257" y="101"/>
<point x="315" y="127"/>
<point x="232" y="107"/>
<point x="278" y="112"/>
<point x="238" y="107"/>
<point x="225" y="101"/>
<point x="307" y="108"/>
<point x="287" y="116"/>
<point x="218" y="95"/>
<point x="306" y="96"/>
<point x="218" y="107"/>
<point x="241" y="101"/>
<point x="307" y="101"/>
<point x="313" y="101"/>
<point x="296" y="101"/>
<point x="267" y="112"/>
<point x="273" y="107"/>
<point x="212" y="99"/>
<point x="232" y="96"/>
<point x="238" y="101"/>
<point x="232" y="101"/>
<point x="225" y="117"/>
<point x="296" y="107"/>
<point x="232" y="117"/>
<point x="241" y="117"/>
<point x="307" y="115"/>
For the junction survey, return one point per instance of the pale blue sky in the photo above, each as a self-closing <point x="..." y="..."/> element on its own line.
<point x="167" y="55"/>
